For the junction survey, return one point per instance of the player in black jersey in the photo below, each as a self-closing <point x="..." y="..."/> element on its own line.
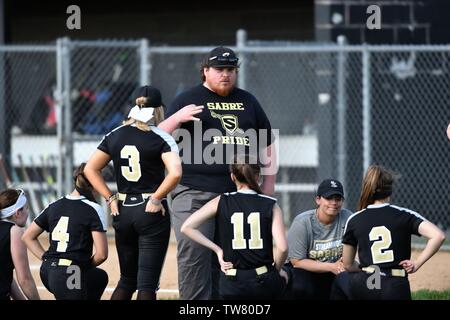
<point x="381" y="233"/>
<point x="140" y="153"/>
<point x="13" y="252"/>
<point x="246" y="223"/>
<point x="75" y="223"/>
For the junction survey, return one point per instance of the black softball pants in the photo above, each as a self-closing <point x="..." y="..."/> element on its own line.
<point x="391" y="288"/>
<point x="142" y="239"/>
<point x="59" y="280"/>
<point x="247" y="285"/>
<point x="306" y="285"/>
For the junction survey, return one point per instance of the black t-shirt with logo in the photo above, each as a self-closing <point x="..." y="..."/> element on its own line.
<point x="136" y="155"/>
<point x="207" y="147"/>
<point x="70" y="222"/>
<point x="244" y="228"/>
<point x="382" y="234"/>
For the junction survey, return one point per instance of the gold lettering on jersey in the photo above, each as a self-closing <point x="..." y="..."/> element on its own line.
<point x="229" y="122"/>
<point x="243" y="141"/>
<point x="225" y="106"/>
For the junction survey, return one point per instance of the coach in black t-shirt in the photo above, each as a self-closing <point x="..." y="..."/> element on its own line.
<point x="215" y="120"/>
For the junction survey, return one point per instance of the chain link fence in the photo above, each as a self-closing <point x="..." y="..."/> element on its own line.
<point x="409" y="111"/>
<point x="339" y="108"/>
<point x="28" y="121"/>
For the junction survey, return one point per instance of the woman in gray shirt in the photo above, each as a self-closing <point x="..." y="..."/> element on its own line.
<point x="315" y="244"/>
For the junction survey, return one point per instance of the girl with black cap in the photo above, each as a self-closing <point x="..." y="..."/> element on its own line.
<point x="75" y="223"/>
<point x="140" y="153"/>
<point x="315" y="244"/>
<point x="13" y="252"/>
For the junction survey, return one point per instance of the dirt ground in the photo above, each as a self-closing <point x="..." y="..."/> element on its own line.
<point x="434" y="275"/>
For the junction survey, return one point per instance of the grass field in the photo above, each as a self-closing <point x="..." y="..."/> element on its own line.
<point x="431" y="295"/>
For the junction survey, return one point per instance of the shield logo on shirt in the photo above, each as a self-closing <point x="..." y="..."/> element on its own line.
<point x="229" y="122"/>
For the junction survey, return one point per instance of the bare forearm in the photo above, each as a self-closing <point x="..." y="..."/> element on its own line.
<point x="354" y="267"/>
<point x="168" y="184"/>
<point x="200" y="238"/>
<point x="280" y="258"/>
<point x="269" y="172"/>
<point x="436" y="238"/>
<point x="430" y="249"/>
<point x="35" y="247"/>
<point x="268" y="185"/>
<point x="170" y="124"/>
<point x="16" y="293"/>
<point x="312" y="265"/>
<point x="29" y="288"/>
<point x="97" y="259"/>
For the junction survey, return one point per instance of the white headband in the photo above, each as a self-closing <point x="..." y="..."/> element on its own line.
<point x="143" y="114"/>
<point x="20" y="203"/>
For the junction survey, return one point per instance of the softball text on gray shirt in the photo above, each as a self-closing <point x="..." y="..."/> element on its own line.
<point x="308" y="238"/>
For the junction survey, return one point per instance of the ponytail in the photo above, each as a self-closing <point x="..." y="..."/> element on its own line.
<point x="82" y="185"/>
<point x="377" y="185"/>
<point x="158" y="115"/>
<point x="247" y="170"/>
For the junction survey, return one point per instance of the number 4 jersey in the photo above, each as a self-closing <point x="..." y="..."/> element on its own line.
<point x="70" y="222"/>
<point x="382" y="234"/>
<point x="244" y="228"/>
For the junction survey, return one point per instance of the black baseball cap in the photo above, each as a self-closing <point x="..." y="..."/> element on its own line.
<point x="153" y="95"/>
<point x="330" y="187"/>
<point x="222" y="57"/>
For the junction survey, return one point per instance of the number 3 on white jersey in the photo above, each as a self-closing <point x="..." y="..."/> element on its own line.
<point x="132" y="172"/>
<point x="61" y="235"/>
<point x="383" y="239"/>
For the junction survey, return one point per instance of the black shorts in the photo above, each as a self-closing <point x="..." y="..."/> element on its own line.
<point x="142" y="239"/>
<point x="73" y="282"/>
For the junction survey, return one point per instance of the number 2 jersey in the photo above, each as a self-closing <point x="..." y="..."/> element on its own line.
<point x="382" y="234"/>
<point x="69" y="222"/>
<point x="136" y="155"/>
<point x="244" y="228"/>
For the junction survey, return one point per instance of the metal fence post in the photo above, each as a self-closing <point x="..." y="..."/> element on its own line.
<point x="4" y="133"/>
<point x="59" y="114"/>
<point x="241" y="43"/>
<point x="341" y="112"/>
<point x="366" y="121"/>
<point x="67" y="141"/>
<point x="144" y="65"/>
